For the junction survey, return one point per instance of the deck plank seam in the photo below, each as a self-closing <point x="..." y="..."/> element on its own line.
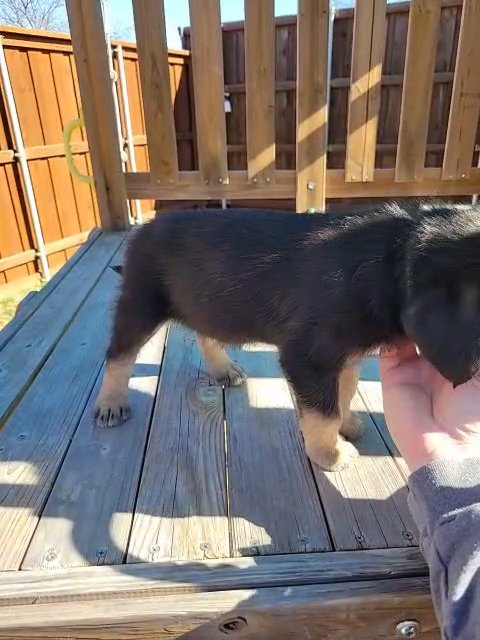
<point x="81" y="414"/>
<point x="32" y="306"/>
<point x="42" y="361"/>
<point x="147" y="443"/>
<point x="310" y="468"/>
<point x="59" y="469"/>
<point x="392" y="451"/>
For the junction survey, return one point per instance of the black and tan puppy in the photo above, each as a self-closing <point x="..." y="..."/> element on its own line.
<point x="325" y="289"/>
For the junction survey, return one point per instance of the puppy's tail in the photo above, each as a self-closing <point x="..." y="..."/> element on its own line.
<point x="118" y="268"/>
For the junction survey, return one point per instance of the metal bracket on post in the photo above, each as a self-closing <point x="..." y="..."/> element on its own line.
<point x="21" y="156"/>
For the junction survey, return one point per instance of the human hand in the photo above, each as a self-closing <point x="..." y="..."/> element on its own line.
<point x="427" y="418"/>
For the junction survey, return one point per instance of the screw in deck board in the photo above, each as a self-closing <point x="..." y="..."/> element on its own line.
<point x="101" y="554"/>
<point x="407" y="629"/>
<point x="304" y="540"/>
<point x="232" y="625"/>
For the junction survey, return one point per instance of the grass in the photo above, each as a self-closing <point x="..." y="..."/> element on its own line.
<point x="10" y="299"/>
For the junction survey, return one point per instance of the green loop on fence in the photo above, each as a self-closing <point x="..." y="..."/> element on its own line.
<point x="67" y="134"/>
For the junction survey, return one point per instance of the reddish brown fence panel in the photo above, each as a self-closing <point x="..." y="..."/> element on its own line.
<point x="45" y="87"/>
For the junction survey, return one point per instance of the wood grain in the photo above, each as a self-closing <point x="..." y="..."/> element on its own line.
<point x="89" y="513"/>
<point x="34" y="303"/>
<point x="312" y="108"/>
<point x="260" y="88"/>
<point x="267" y="467"/>
<point x="191" y="186"/>
<point x="34" y="440"/>
<point x="465" y="104"/>
<point x="371" y="393"/>
<point x="364" y="96"/>
<point x="24" y="354"/>
<point x="363" y="610"/>
<point x="208" y="83"/>
<point x="181" y="510"/>
<point x="147" y="579"/>
<point x="149" y="18"/>
<point x="91" y="57"/>
<point x="423" y="30"/>
<point x="366" y="504"/>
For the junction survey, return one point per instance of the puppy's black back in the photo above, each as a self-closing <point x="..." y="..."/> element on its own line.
<point x="247" y="275"/>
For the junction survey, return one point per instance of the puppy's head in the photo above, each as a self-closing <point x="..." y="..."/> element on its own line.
<point x="442" y="305"/>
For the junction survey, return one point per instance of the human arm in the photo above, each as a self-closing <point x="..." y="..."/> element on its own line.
<point x="437" y="430"/>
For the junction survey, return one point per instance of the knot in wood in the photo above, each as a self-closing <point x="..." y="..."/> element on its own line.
<point x="232" y="625"/>
<point x="51" y="554"/>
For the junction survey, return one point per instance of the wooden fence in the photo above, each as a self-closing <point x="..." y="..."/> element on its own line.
<point x="46" y="89"/>
<point x="392" y="62"/>
<point x="391" y="86"/>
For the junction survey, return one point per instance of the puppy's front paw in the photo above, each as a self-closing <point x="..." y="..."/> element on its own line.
<point x="233" y="376"/>
<point x="106" y="416"/>
<point x="336" y="459"/>
<point x="352" y="426"/>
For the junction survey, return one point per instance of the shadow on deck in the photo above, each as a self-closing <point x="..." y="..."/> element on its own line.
<point x="212" y="486"/>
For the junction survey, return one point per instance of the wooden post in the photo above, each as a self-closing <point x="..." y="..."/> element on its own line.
<point x="208" y="84"/>
<point x="423" y="28"/>
<point x="157" y="100"/>
<point x="91" y="57"/>
<point x="312" y="90"/>
<point x="365" y="89"/>
<point x="260" y="89"/>
<point x="465" y="105"/>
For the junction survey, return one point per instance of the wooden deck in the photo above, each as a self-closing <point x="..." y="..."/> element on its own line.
<point x="199" y="517"/>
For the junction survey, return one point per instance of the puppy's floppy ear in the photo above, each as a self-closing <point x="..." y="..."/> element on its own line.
<point x="446" y="330"/>
<point x="118" y="268"/>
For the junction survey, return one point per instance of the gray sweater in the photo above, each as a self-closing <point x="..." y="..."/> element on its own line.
<point x="445" y="503"/>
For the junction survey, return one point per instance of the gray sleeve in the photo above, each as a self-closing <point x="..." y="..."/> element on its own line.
<point x="445" y="503"/>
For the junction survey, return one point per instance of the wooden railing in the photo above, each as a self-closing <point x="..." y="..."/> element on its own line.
<point x="311" y="182"/>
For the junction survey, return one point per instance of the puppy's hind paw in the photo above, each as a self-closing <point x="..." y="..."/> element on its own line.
<point x="111" y="416"/>
<point x="234" y="376"/>
<point x="336" y="459"/>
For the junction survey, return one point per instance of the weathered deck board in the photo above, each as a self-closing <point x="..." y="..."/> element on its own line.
<point x="147" y="579"/>
<point x="37" y="435"/>
<point x="23" y="355"/>
<point x="181" y="510"/>
<point x="365" y="505"/>
<point x="370" y="390"/>
<point x="26" y="310"/>
<point x="273" y="503"/>
<point x="361" y="610"/>
<point x="89" y="513"/>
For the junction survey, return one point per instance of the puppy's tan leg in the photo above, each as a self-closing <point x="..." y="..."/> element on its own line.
<point x="219" y="364"/>
<point x="323" y="444"/>
<point x="352" y="424"/>
<point x="111" y="407"/>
